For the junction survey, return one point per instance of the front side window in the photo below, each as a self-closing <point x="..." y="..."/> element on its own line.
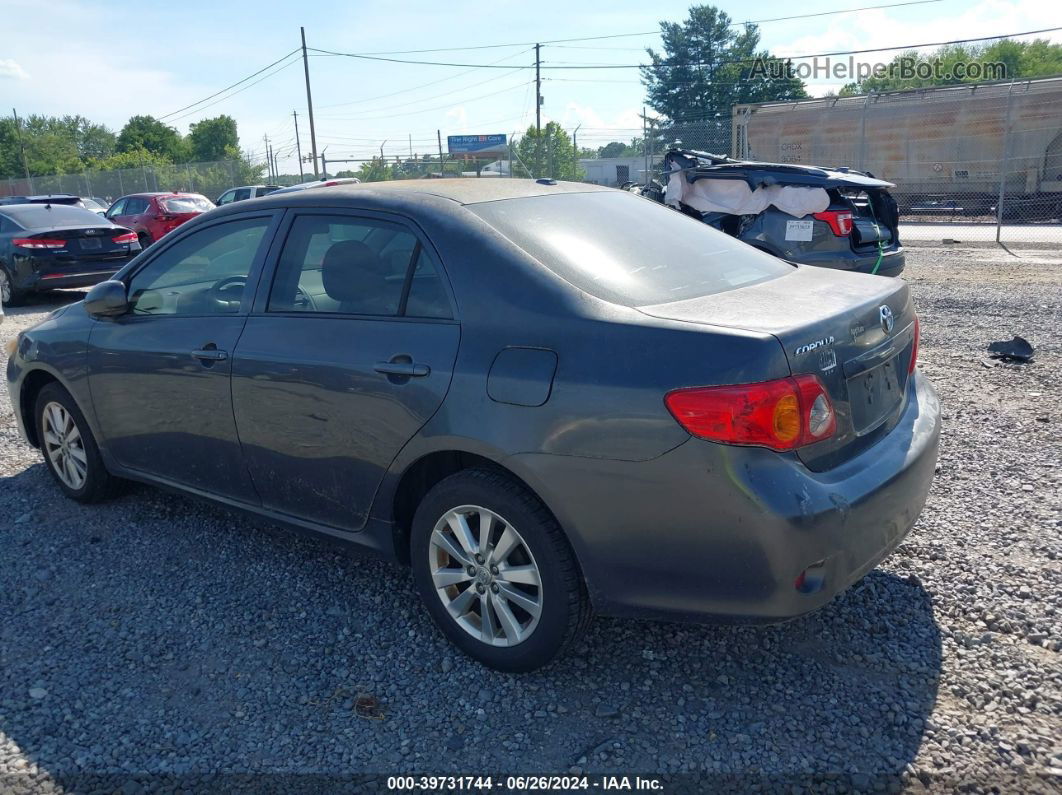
<point x="344" y="265"/>
<point x="226" y="197"/>
<point x="204" y="273"/>
<point x="116" y="209"/>
<point x="242" y="194"/>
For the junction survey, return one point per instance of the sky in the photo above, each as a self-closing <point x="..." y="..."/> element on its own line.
<point x="61" y="57"/>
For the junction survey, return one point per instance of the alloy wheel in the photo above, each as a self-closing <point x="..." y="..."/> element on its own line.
<point x="64" y="446"/>
<point x="5" y="287"/>
<point x="485" y="575"/>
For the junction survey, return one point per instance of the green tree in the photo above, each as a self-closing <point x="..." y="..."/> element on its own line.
<point x="547" y="153"/>
<point x="147" y="132"/>
<point x="708" y="66"/>
<point x="214" y="139"/>
<point x="133" y="158"/>
<point x="376" y="170"/>
<point x="1019" y="59"/>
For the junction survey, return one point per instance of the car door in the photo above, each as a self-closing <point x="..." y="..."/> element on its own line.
<point x="334" y="373"/>
<point x="130" y="213"/>
<point x="159" y="374"/>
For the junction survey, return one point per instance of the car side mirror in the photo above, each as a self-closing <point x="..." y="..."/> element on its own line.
<point x="107" y="299"/>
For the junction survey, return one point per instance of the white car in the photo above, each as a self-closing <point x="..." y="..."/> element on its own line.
<point x="245" y="192"/>
<point x="324" y="182"/>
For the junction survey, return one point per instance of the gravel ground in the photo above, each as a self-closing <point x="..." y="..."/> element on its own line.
<point x="158" y="636"/>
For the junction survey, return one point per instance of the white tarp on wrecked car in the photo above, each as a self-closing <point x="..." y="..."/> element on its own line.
<point x="735" y="197"/>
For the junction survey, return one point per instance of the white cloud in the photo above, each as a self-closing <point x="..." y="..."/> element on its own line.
<point x="10" y="68"/>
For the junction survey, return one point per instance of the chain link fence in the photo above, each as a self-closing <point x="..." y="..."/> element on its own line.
<point x="979" y="162"/>
<point x="209" y="179"/>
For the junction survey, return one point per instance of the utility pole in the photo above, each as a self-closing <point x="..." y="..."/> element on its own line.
<point x="22" y="147"/>
<point x="645" y="144"/>
<point x="309" y="102"/>
<point x="438" y="134"/>
<point x="575" y="152"/>
<point x="269" y="158"/>
<point x="538" y="110"/>
<point x="298" y="147"/>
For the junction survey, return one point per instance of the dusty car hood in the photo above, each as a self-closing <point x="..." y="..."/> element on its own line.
<point x="705" y="165"/>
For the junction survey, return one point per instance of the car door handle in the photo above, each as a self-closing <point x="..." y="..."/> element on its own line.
<point x="210" y="355"/>
<point x="407" y="369"/>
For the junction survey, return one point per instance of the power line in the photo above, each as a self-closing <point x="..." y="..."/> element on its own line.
<point x="425" y="110"/>
<point x="705" y="63"/>
<point x="222" y="91"/>
<point x="646" y="33"/>
<point x="435" y="96"/>
<point x="234" y="93"/>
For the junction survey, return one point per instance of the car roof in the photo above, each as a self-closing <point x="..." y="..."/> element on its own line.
<point x="467" y="190"/>
<point x="149" y="194"/>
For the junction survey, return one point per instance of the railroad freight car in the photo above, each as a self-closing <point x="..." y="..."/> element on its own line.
<point x="951" y="147"/>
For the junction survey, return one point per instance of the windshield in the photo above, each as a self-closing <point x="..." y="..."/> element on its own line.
<point x="628" y="250"/>
<point x="187" y="204"/>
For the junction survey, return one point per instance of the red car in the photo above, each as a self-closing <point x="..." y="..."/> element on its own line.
<point x="151" y="215"/>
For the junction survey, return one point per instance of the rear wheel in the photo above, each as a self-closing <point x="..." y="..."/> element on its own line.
<point x="69" y="449"/>
<point x="144" y="238"/>
<point x="495" y="571"/>
<point x="9" y="295"/>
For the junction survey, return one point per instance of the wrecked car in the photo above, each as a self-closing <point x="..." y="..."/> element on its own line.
<point x="830" y="217"/>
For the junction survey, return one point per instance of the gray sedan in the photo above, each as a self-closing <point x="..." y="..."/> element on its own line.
<point x="546" y="399"/>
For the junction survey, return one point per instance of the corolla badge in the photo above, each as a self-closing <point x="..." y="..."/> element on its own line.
<point x="887" y="320"/>
<point x="816" y="344"/>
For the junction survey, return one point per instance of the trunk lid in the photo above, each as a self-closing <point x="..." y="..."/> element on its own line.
<point x="854" y="332"/>
<point x="87" y="243"/>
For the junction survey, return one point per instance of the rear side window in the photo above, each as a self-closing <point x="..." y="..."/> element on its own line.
<point x="355" y="266"/>
<point x="628" y="250"/>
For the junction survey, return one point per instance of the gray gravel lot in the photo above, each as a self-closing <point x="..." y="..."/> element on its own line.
<point x="158" y="635"/>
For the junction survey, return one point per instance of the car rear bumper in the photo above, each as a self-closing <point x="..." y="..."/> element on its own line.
<point x="715" y="532"/>
<point x="892" y="262"/>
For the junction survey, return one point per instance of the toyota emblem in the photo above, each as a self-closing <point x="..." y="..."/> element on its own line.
<point x="887" y="320"/>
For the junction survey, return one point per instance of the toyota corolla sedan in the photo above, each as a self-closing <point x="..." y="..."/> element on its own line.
<point x="547" y="399"/>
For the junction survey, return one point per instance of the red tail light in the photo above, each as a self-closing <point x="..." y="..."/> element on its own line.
<point x="914" y="346"/>
<point x="128" y="237"/>
<point x="783" y="415"/>
<point x="38" y="242"/>
<point x="840" y="221"/>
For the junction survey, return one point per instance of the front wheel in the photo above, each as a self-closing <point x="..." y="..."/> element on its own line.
<point x="69" y="448"/>
<point x="496" y="572"/>
<point x="145" y="240"/>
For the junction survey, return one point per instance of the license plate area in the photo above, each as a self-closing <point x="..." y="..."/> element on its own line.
<point x="90" y="243"/>
<point x="874" y="395"/>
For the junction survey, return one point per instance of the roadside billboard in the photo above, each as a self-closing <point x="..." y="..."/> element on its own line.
<point x="477" y="144"/>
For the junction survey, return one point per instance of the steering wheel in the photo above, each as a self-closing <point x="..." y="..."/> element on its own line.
<point x="225" y="295"/>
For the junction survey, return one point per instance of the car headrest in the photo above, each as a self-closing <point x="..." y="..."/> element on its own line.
<point x="350" y="269"/>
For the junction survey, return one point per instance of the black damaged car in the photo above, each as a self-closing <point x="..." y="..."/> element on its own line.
<point x="51" y="246"/>
<point x="830" y="217"/>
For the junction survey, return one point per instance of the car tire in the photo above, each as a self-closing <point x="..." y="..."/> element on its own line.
<point x="69" y="448"/>
<point x="145" y="240"/>
<point x="528" y="625"/>
<point x="9" y="294"/>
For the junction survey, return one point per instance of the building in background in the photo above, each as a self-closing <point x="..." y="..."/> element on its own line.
<point x="614" y="171"/>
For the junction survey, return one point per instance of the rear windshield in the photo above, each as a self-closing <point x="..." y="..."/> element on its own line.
<point x="187" y="204"/>
<point x="42" y="216"/>
<point x="628" y="250"/>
